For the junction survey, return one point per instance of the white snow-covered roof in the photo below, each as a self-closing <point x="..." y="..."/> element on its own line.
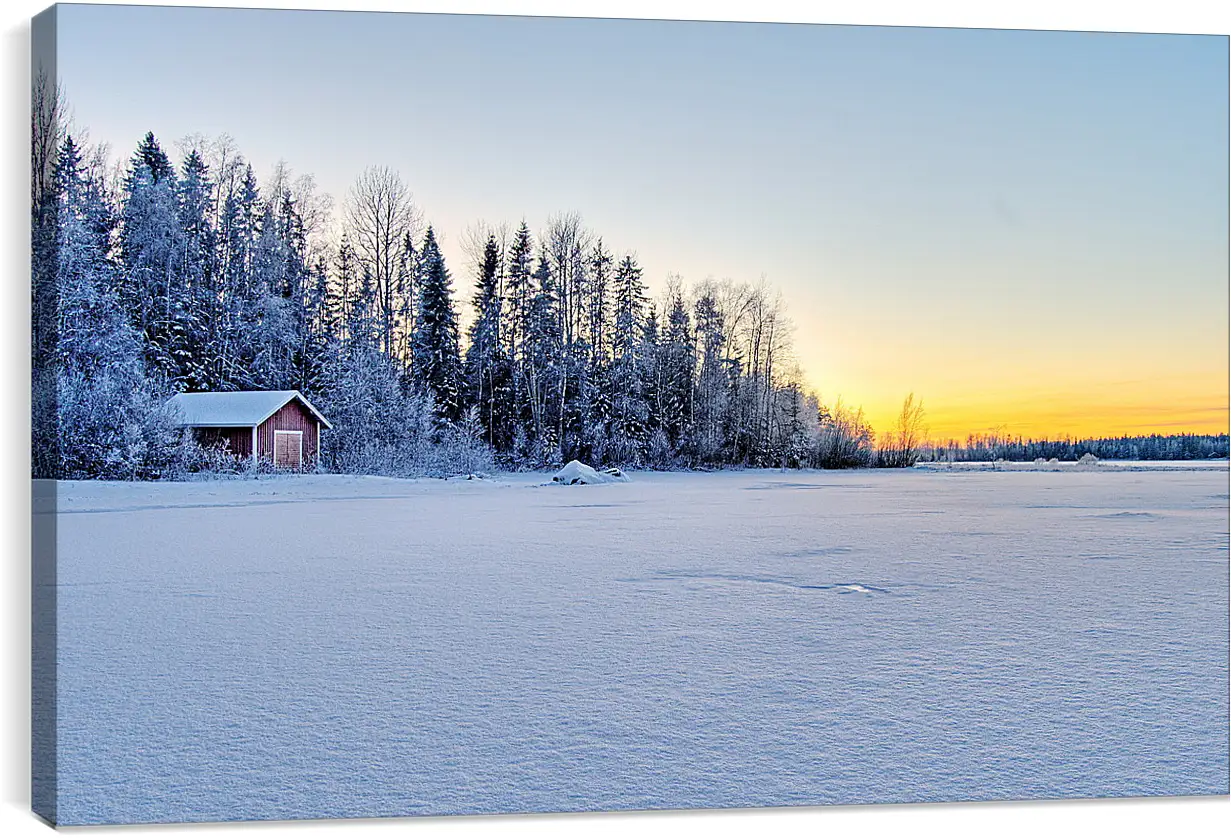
<point x="245" y="409"/>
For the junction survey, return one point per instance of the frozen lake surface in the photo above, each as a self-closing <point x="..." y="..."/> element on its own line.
<point x="354" y="647"/>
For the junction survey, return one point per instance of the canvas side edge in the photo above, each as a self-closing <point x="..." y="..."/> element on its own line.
<point x="44" y="305"/>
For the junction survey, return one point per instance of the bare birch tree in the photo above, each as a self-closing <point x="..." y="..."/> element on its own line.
<point x="902" y="446"/>
<point x="381" y="218"/>
<point x="48" y="128"/>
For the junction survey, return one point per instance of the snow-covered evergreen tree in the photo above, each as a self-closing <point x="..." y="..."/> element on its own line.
<point x="198" y="297"/>
<point x="518" y="291"/>
<point x="435" y="354"/>
<point x="542" y="361"/>
<point x="487" y="369"/>
<point x="345" y="287"/>
<point x="599" y="303"/>
<point x="152" y="248"/>
<point x="677" y="360"/>
<point x="110" y="418"/>
<point x="271" y="333"/>
<point x="404" y="302"/>
<point x="713" y="385"/>
<point x="628" y="429"/>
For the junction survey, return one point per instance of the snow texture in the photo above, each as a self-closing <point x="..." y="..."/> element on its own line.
<point x="576" y="472"/>
<point x="355" y="647"/>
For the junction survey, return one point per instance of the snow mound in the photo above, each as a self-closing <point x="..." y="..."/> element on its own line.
<point x="1088" y="459"/>
<point x="577" y="472"/>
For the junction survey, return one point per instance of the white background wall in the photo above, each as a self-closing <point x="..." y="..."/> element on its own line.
<point x="1183" y="817"/>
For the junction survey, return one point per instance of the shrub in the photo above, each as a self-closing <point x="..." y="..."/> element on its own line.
<point x="845" y="439"/>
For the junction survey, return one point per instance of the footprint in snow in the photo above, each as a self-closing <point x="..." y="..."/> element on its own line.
<point x="838" y="587"/>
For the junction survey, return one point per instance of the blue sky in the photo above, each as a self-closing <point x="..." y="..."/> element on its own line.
<point x="1027" y="229"/>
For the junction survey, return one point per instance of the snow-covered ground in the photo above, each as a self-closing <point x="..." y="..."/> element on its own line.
<point x="342" y="646"/>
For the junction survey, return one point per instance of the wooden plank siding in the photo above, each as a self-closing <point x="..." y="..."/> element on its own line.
<point x="238" y="440"/>
<point x="292" y="416"/>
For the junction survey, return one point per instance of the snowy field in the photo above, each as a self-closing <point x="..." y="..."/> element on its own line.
<point x="340" y="646"/>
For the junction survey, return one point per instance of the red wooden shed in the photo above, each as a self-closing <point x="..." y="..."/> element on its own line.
<point x="276" y="427"/>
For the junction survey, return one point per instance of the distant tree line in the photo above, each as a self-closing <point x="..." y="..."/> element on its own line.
<point x="989" y="447"/>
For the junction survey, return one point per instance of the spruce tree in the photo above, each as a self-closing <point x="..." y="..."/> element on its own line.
<point x="543" y="359"/>
<point x="600" y="279"/>
<point x="110" y="420"/>
<point x="436" y="363"/>
<point x="151" y="156"/>
<point x="711" y="396"/>
<point x="485" y="373"/>
<point x="236" y="238"/>
<point x="345" y="284"/>
<point x="151" y="247"/>
<point x="591" y="412"/>
<point x="628" y="429"/>
<point x="652" y="370"/>
<point x="198" y="302"/>
<point x="518" y="290"/>
<point x="678" y="359"/>
<point x="405" y="292"/>
<point x="319" y="347"/>
<point x="92" y="330"/>
<point x="271" y="335"/>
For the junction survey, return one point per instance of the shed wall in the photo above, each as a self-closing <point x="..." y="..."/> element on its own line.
<point x="292" y="416"/>
<point x="238" y="440"/>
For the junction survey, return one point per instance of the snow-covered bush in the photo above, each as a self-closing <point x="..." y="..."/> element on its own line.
<point x="845" y="439"/>
<point x="193" y="458"/>
<point x="378" y="428"/>
<point x="660" y="454"/>
<point x="113" y="425"/>
<point x="459" y="449"/>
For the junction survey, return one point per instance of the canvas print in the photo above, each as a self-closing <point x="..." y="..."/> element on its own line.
<point x="443" y="414"/>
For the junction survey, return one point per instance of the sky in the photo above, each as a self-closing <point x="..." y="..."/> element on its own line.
<point x="1028" y="230"/>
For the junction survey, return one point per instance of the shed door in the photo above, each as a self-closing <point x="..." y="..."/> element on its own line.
<point x="288" y="449"/>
